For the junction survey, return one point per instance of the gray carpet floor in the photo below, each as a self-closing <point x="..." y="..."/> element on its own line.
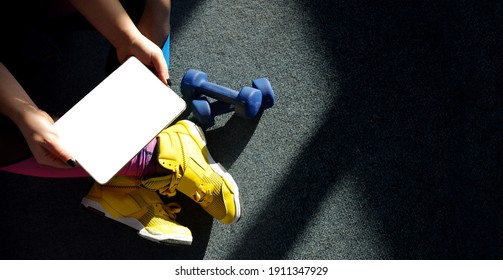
<point x="385" y="141"/>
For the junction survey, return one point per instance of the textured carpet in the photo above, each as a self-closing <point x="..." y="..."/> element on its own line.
<point x="385" y="141"/>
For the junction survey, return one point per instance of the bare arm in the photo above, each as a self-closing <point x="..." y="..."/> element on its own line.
<point x="35" y="124"/>
<point x="111" y="20"/>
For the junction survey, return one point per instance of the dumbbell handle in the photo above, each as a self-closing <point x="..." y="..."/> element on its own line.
<point x="218" y="92"/>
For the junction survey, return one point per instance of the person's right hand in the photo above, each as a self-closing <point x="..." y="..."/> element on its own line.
<point x="38" y="129"/>
<point x="36" y="125"/>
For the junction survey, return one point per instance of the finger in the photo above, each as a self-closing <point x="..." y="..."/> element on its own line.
<point x="60" y="154"/>
<point x="44" y="157"/>
<point x="50" y="160"/>
<point x="161" y="68"/>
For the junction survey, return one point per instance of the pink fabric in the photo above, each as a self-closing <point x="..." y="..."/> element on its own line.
<point x="138" y="166"/>
<point x="31" y="167"/>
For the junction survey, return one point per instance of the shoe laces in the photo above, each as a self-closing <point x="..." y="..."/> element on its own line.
<point x="168" y="210"/>
<point x="170" y="189"/>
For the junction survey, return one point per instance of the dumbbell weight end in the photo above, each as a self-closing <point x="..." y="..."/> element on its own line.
<point x="268" y="98"/>
<point x="205" y="112"/>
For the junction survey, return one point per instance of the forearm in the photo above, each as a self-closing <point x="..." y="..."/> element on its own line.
<point x="15" y="103"/>
<point x="110" y="19"/>
<point x="35" y="125"/>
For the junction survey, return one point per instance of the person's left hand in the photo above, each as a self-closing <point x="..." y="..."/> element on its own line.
<point x="148" y="53"/>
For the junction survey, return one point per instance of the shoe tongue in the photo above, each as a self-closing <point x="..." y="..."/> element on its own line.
<point x="170" y="152"/>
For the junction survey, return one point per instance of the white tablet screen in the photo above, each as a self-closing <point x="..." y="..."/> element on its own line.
<point x="114" y="121"/>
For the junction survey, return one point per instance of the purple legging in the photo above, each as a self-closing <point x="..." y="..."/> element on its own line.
<point x="140" y="165"/>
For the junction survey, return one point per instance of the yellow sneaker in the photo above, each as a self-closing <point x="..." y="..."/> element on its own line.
<point x="183" y="151"/>
<point x="123" y="200"/>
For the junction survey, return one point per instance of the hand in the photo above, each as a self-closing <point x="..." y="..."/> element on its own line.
<point x="155" y="22"/>
<point x="35" y="124"/>
<point x="110" y="18"/>
<point x="148" y="53"/>
<point x="42" y="138"/>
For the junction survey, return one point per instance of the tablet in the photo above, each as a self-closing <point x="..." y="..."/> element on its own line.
<point x="119" y="117"/>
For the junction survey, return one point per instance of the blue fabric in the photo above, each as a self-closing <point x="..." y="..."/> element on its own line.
<point x="165" y="50"/>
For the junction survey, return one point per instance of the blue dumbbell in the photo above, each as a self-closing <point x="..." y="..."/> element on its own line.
<point x="265" y="87"/>
<point x="205" y="111"/>
<point x="246" y="103"/>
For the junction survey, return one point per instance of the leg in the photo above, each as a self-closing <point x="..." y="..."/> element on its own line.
<point x="192" y="171"/>
<point x="123" y="201"/>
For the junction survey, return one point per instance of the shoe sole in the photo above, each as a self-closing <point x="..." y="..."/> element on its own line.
<point x="217" y="168"/>
<point x="171" y="239"/>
